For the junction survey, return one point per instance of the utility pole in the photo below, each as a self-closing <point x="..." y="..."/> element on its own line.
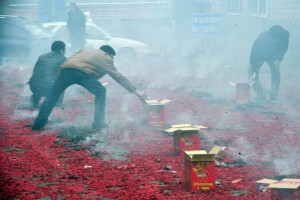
<point x="53" y="11"/>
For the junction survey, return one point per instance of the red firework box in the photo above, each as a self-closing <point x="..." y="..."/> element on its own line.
<point x="156" y="112"/>
<point x="286" y="189"/>
<point x="200" y="167"/>
<point x="186" y="137"/>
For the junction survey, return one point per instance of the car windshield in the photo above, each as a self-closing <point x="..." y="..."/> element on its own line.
<point x="37" y="30"/>
<point x="34" y="28"/>
<point x="93" y="31"/>
<point x="109" y="35"/>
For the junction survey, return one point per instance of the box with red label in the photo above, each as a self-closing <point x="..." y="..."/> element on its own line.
<point x="200" y="171"/>
<point x="286" y="189"/>
<point x="156" y="112"/>
<point x="186" y="137"/>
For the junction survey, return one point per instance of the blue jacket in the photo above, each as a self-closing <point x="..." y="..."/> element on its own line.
<point x="46" y="70"/>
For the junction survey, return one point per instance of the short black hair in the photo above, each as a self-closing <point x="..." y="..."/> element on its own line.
<point x="277" y="31"/>
<point x="108" y="49"/>
<point x="57" y="46"/>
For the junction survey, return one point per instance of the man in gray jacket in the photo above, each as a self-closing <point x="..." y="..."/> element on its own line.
<point x="45" y="73"/>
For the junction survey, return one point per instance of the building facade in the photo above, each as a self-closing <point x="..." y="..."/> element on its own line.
<point x="197" y="27"/>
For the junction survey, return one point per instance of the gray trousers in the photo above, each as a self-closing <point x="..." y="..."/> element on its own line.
<point x="70" y="77"/>
<point x="275" y="80"/>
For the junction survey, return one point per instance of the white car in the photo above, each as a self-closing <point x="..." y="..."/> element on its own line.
<point x="95" y="37"/>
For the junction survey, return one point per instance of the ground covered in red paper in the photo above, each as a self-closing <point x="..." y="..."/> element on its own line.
<point x="131" y="160"/>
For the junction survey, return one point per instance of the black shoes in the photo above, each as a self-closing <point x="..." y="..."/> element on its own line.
<point x="259" y="99"/>
<point x="99" y="126"/>
<point x="39" y="124"/>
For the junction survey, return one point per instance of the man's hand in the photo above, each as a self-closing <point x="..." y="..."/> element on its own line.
<point x="276" y="64"/>
<point x="252" y="78"/>
<point x="141" y="96"/>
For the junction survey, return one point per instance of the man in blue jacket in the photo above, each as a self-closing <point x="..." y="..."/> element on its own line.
<point x="270" y="46"/>
<point x="45" y="73"/>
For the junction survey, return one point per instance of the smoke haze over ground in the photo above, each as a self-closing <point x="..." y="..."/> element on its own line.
<point x="194" y="71"/>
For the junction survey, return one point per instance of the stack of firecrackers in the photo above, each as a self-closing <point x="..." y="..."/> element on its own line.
<point x="156" y="116"/>
<point x="285" y="189"/>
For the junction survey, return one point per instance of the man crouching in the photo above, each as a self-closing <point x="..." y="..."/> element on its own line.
<point x="85" y="68"/>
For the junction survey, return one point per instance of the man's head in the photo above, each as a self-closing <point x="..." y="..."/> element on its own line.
<point x="58" y="47"/>
<point x="73" y="6"/>
<point x="277" y="32"/>
<point x="108" y="49"/>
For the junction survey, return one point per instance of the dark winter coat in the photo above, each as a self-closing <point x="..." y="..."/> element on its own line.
<point x="46" y="70"/>
<point x="264" y="49"/>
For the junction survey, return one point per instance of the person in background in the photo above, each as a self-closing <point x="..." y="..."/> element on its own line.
<point x="76" y="28"/>
<point x="85" y="68"/>
<point x="270" y="46"/>
<point x="45" y="73"/>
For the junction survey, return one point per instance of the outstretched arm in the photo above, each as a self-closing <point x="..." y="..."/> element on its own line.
<point x="141" y="96"/>
<point x="119" y="78"/>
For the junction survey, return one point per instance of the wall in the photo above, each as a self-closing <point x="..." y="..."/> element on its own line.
<point x="287" y="14"/>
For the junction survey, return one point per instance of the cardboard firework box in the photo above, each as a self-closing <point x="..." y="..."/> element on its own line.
<point x="242" y="93"/>
<point x="156" y="112"/>
<point x="186" y="137"/>
<point x="286" y="189"/>
<point x="200" y="167"/>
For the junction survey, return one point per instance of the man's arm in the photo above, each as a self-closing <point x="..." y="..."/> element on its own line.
<point x="119" y="78"/>
<point x="283" y="45"/>
<point x="281" y="50"/>
<point x="126" y="84"/>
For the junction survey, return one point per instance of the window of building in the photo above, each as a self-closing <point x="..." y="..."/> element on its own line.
<point x="234" y="6"/>
<point x="258" y="7"/>
<point x="203" y="6"/>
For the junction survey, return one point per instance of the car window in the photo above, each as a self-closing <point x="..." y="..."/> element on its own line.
<point x="94" y="34"/>
<point x="12" y="31"/>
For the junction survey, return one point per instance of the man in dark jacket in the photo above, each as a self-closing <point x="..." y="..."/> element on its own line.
<point x="76" y="27"/>
<point x="270" y="47"/>
<point x="45" y="73"/>
<point x="85" y="68"/>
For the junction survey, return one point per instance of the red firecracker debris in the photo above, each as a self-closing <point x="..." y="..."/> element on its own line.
<point x="131" y="160"/>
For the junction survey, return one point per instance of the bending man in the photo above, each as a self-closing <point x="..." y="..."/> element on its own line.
<point x="85" y="68"/>
<point x="270" y="47"/>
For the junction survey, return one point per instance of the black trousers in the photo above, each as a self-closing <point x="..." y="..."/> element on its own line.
<point x="38" y="93"/>
<point x="70" y="77"/>
<point x="275" y="80"/>
<point x="41" y="90"/>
